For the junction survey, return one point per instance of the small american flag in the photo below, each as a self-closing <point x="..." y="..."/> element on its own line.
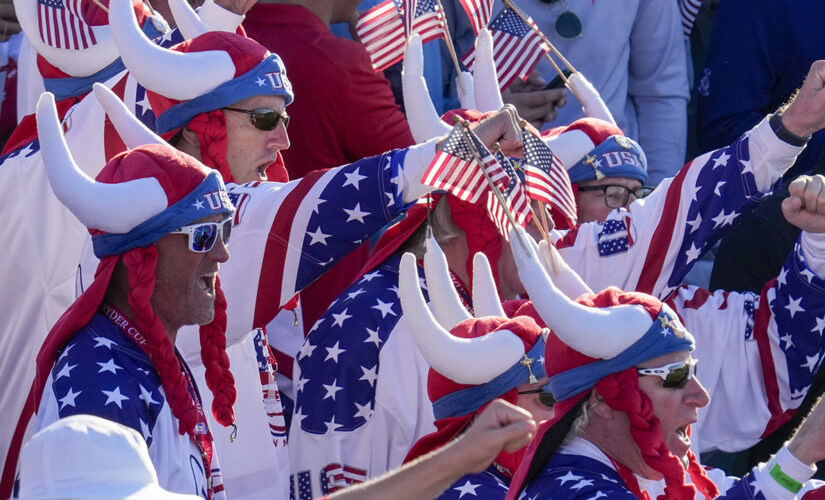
<point x="384" y="28"/>
<point x="546" y="179"/>
<point x="456" y="170"/>
<point x="514" y="195"/>
<point x="479" y="12"/>
<point x="517" y="48"/>
<point x="62" y="25"/>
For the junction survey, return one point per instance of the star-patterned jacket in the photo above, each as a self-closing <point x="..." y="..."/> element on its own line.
<point x="103" y="372"/>
<point x="488" y="485"/>
<point x="581" y="471"/>
<point x="376" y="422"/>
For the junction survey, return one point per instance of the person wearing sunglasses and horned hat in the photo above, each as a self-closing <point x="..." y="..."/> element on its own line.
<point x="624" y="380"/>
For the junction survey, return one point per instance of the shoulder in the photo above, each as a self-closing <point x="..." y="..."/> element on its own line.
<point x="486" y="485"/>
<point x="101" y="372"/>
<point x="577" y="477"/>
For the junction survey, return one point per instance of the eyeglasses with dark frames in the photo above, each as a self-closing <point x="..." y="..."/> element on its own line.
<point x="616" y="195"/>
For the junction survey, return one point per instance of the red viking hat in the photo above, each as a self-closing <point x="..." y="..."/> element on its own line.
<point x="189" y="84"/>
<point x="473" y="360"/>
<point x="139" y="196"/>
<point x="595" y="343"/>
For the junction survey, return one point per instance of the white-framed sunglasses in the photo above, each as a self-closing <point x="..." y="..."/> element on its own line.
<point x="675" y="375"/>
<point x="203" y="235"/>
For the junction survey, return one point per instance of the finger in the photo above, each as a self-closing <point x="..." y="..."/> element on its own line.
<point x="791" y="207"/>
<point x="797" y="186"/>
<point x="811" y="194"/>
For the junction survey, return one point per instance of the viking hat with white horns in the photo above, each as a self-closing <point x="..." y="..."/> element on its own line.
<point x="140" y="196"/>
<point x="188" y="84"/>
<point x="595" y="343"/>
<point x="473" y="360"/>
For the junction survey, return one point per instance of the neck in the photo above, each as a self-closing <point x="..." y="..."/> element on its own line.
<point x="321" y="8"/>
<point x="120" y="300"/>
<point x="621" y="448"/>
<point x="457" y="253"/>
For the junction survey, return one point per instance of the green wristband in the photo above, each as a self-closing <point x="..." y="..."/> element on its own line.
<point x="785" y="480"/>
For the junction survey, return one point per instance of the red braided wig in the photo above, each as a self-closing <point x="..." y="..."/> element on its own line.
<point x="621" y="392"/>
<point x="213" y="353"/>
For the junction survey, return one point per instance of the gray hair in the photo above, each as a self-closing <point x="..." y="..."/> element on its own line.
<point x="443" y="226"/>
<point x="582" y="419"/>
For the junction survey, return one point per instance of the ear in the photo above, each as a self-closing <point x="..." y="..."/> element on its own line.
<point x="189" y="143"/>
<point x="599" y="408"/>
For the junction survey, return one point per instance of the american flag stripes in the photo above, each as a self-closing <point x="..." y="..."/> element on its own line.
<point x="455" y="168"/>
<point x="517" y="48"/>
<point x="514" y="196"/>
<point x="479" y="12"/>
<point x="546" y="179"/>
<point x="62" y="26"/>
<point x="384" y="28"/>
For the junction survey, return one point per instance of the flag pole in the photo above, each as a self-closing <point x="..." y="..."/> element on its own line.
<point x="463" y="126"/>
<point x="448" y="39"/>
<point x="100" y="4"/>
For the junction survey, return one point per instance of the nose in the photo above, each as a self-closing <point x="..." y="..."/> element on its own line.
<point x="696" y="395"/>
<point x="278" y="139"/>
<point x="219" y="251"/>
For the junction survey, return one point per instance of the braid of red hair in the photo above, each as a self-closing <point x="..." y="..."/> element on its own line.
<point x="621" y="392"/>
<point x="141" y="264"/>
<point x="699" y="477"/>
<point x="213" y="353"/>
<point x="210" y="128"/>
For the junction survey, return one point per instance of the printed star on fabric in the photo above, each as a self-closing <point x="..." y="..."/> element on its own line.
<point x="692" y="254"/>
<point x="390" y="199"/>
<point x="340" y="318"/>
<point x="318" y="203"/>
<point x="318" y="237"/>
<point x="354" y="178"/>
<point x="146" y="396"/>
<point x="820" y="325"/>
<point x="598" y="495"/>
<point x="807" y="274"/>
<point x="260" y="81"/>
<point x="788" y="339"/>
<point x="568" y="477"/>
<point x="104" y="342"/>
<point x="384" y="307"/>
<point x="581" y="484"/>
<point x="719" y="185"/>
<point x="299" y="417"/>
<point x="356" y="293"/>
<point x="372" y="336"/>
<point x="332" y="389"/>
<point x="794" y="306"/>
<point x="198" y="204"/>
<point x="299" y="386"/>
<point x="144" y="429"/>
<point x="755" y="486"/>
<point x="332" y="426"/>
<point x="114" y="396"/>
<point x="695" y="223"/>
<point x="467" y="488"/>
<point x="370" y="276"/>
<point x="693" y="191"/>
<point x="811" y="362"/>
<point x="306" y="350"/>
<point x="800" y="393"/>
<point x="746" y="166"/>
<point x="395" y="290"/>
<point x="363" y="411"/>
<point x="356" y="214"/>
<point x="64" y="353"/>
<point x="109" y="366"/>
<point x="370" y="374"/>
<point x="782" y="279"/>
<point x="67" y="369"/>
<point x="722" y="160"/>
<point x="68" y="399"/>
<point x="334" y="351"/>
<point x="144" y="104"/>
<point x="721" y="219"/>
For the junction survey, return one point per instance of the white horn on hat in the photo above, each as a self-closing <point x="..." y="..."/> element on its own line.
<point x="485" y="293"/>
<point x="175" y="75"/>
<point x="133" y="132"/>
<point x="187" y="20"/>
<point x="446" y="303"/>
<point x="114" y="208"/>
<point x="466" y="90"/>
<point x="75" y="62"/>
<point x="596" y="332"/>
<point x="421" y="115"/>
<point x="566" y="279"/>
<point x="465" y="361"/>
<point x="485" y="78"/>
<point x="591" y="101"/>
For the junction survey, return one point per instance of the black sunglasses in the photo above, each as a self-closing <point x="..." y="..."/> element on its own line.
<point x="675" y="375"/>
<point x="546" y="398"/>
<point x="616" y="195"/>
<point x="264" y="118"/>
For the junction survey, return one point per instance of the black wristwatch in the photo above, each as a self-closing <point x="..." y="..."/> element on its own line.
<point x="786" y="135"/>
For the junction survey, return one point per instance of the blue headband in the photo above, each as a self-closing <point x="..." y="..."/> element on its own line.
<point x="616" y="156"/>
<point x="267" y="78"/>
<point x="208" y="198"/>
<point x="469" y="400"/>
<point x="663" y="337"/>
<point x="76" y="86"/>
